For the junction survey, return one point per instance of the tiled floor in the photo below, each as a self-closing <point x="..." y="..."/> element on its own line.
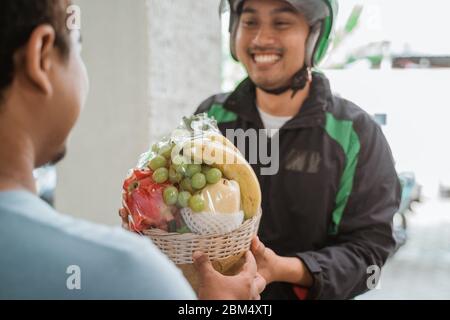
<point x="420" y="269"/>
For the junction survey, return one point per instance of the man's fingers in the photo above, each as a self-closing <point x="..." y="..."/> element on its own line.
<point x="250" y="265"/>
<point x="254" y="244"/>
<point x="257" y="247"/>
<point x="202" y="263"/>
<point x="124" y="216"/>
<point x="260" y="283"/>
<point x="123" y="213"/>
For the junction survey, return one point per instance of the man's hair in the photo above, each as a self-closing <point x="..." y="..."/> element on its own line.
<point x="18" y="19"/>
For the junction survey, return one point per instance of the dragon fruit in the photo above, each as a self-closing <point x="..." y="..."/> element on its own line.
<point x="143" y="198"/>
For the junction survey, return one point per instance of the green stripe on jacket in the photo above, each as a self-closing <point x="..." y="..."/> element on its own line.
<point x="344" y="134"/>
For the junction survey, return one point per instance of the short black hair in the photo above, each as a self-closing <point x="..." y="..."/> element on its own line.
<point x="18" y="19"/>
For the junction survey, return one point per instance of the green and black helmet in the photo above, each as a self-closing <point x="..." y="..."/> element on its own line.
<point x="320" y="14"/>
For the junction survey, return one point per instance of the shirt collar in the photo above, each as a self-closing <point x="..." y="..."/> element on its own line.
<point x="242" y="102"/>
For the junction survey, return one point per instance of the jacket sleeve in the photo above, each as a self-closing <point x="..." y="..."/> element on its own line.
<point x="215" y="99"/>
<point x="205" y="105"/>
<point x="364" y="236"/>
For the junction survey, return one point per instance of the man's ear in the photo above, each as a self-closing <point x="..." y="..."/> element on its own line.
<point x="39" y="55"/>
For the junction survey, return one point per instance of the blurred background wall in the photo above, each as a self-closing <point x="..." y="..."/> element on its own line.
<point x="149" y="62"/>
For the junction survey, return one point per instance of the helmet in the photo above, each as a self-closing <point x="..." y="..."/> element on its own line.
<point x="320" y="15"/>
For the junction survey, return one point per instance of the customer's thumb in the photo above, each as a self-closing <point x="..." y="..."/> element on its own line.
<point x="201" y="262"/>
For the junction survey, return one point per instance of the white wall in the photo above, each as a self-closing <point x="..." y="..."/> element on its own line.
<point x="185" y="58"/>
<point x="418" y="106"/>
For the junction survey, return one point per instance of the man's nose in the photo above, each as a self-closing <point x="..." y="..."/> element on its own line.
<point x="264" y="37"/>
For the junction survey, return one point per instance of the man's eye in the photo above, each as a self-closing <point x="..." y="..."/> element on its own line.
<point x="281" y="24"/>
<point x="249" y="23"/>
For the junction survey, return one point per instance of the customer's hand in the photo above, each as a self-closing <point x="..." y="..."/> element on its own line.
<point x="123" y="213"/>
<point x="246" y="285"/>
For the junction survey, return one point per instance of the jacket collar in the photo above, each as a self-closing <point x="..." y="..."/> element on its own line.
<point x="242" y="102"/>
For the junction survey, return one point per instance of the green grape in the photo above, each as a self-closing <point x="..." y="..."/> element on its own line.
<point x="172" y="226"/>
<point x="198" y="181"/>
<point x="179" y="160"/>
<point x="186" y="185"/>
<point x="166" y="150"/>
<point x="174" y="176"/>
<point x="205" y="169"/>
<point x="170" y="195"/>
<point x="183" y="199"/>
<point x="160" y="175"/>
<point x="181" y="169"/>
<point x="196" y="203"/>
<point x="157" y="162"/>
<point x="213" y="175"/>
<point x="184" y="229"/>
<point x="155" y="148"/>
<point x="192" y="169"/>
<point x="179" y="163"/>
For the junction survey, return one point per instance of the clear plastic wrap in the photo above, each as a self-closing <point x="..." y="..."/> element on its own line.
<point x="189" y="129"/>
<point x="201" y="199"/>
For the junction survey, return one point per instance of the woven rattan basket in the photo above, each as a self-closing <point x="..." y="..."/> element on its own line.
<point x="225" y="250"/>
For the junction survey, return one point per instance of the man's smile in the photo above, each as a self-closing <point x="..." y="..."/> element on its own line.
<point x="266" y="59"/>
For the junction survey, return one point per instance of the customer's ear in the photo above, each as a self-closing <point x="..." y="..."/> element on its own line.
<point x="39" y="55"/>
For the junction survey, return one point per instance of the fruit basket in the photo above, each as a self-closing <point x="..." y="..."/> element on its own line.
<point x="194" y="191"/>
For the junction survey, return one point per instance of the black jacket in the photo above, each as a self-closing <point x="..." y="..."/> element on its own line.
<point x="332" y="202"/>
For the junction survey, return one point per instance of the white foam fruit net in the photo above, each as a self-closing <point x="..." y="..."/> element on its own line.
<point x="206" y="223"/>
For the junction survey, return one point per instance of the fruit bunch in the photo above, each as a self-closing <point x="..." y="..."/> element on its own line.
<point x="183" y="181"/>
<point x="196" y="171"/>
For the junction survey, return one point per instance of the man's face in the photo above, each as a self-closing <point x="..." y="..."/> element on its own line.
<point x="71" y="84"/>
<point x="270" y="42"/>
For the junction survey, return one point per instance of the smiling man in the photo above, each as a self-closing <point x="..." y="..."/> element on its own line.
<point x="327" y="213"/>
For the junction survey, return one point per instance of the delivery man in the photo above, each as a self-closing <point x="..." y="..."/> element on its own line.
<point x="328" y="210"/>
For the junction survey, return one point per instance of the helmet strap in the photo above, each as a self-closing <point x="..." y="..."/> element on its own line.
<point x="298" y="82"/>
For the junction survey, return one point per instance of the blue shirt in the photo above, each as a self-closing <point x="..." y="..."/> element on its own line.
<point x="47" y="255"/>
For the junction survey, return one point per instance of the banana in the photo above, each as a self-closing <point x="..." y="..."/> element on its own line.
<point x="234" y="167"/>
<point x="217" y="137"/>
<point x="217" y="151"/>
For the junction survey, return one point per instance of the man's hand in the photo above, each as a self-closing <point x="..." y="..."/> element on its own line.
<point x="267" y="261"/>
<point x="123" y="213"/>
<point x="246" y="285"/>
<point x="275" y="268"/>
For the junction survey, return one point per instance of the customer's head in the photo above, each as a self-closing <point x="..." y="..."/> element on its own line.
<point x="43" y="82"/>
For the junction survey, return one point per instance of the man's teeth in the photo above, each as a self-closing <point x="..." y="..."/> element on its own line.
<point x="266" y="58"/>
